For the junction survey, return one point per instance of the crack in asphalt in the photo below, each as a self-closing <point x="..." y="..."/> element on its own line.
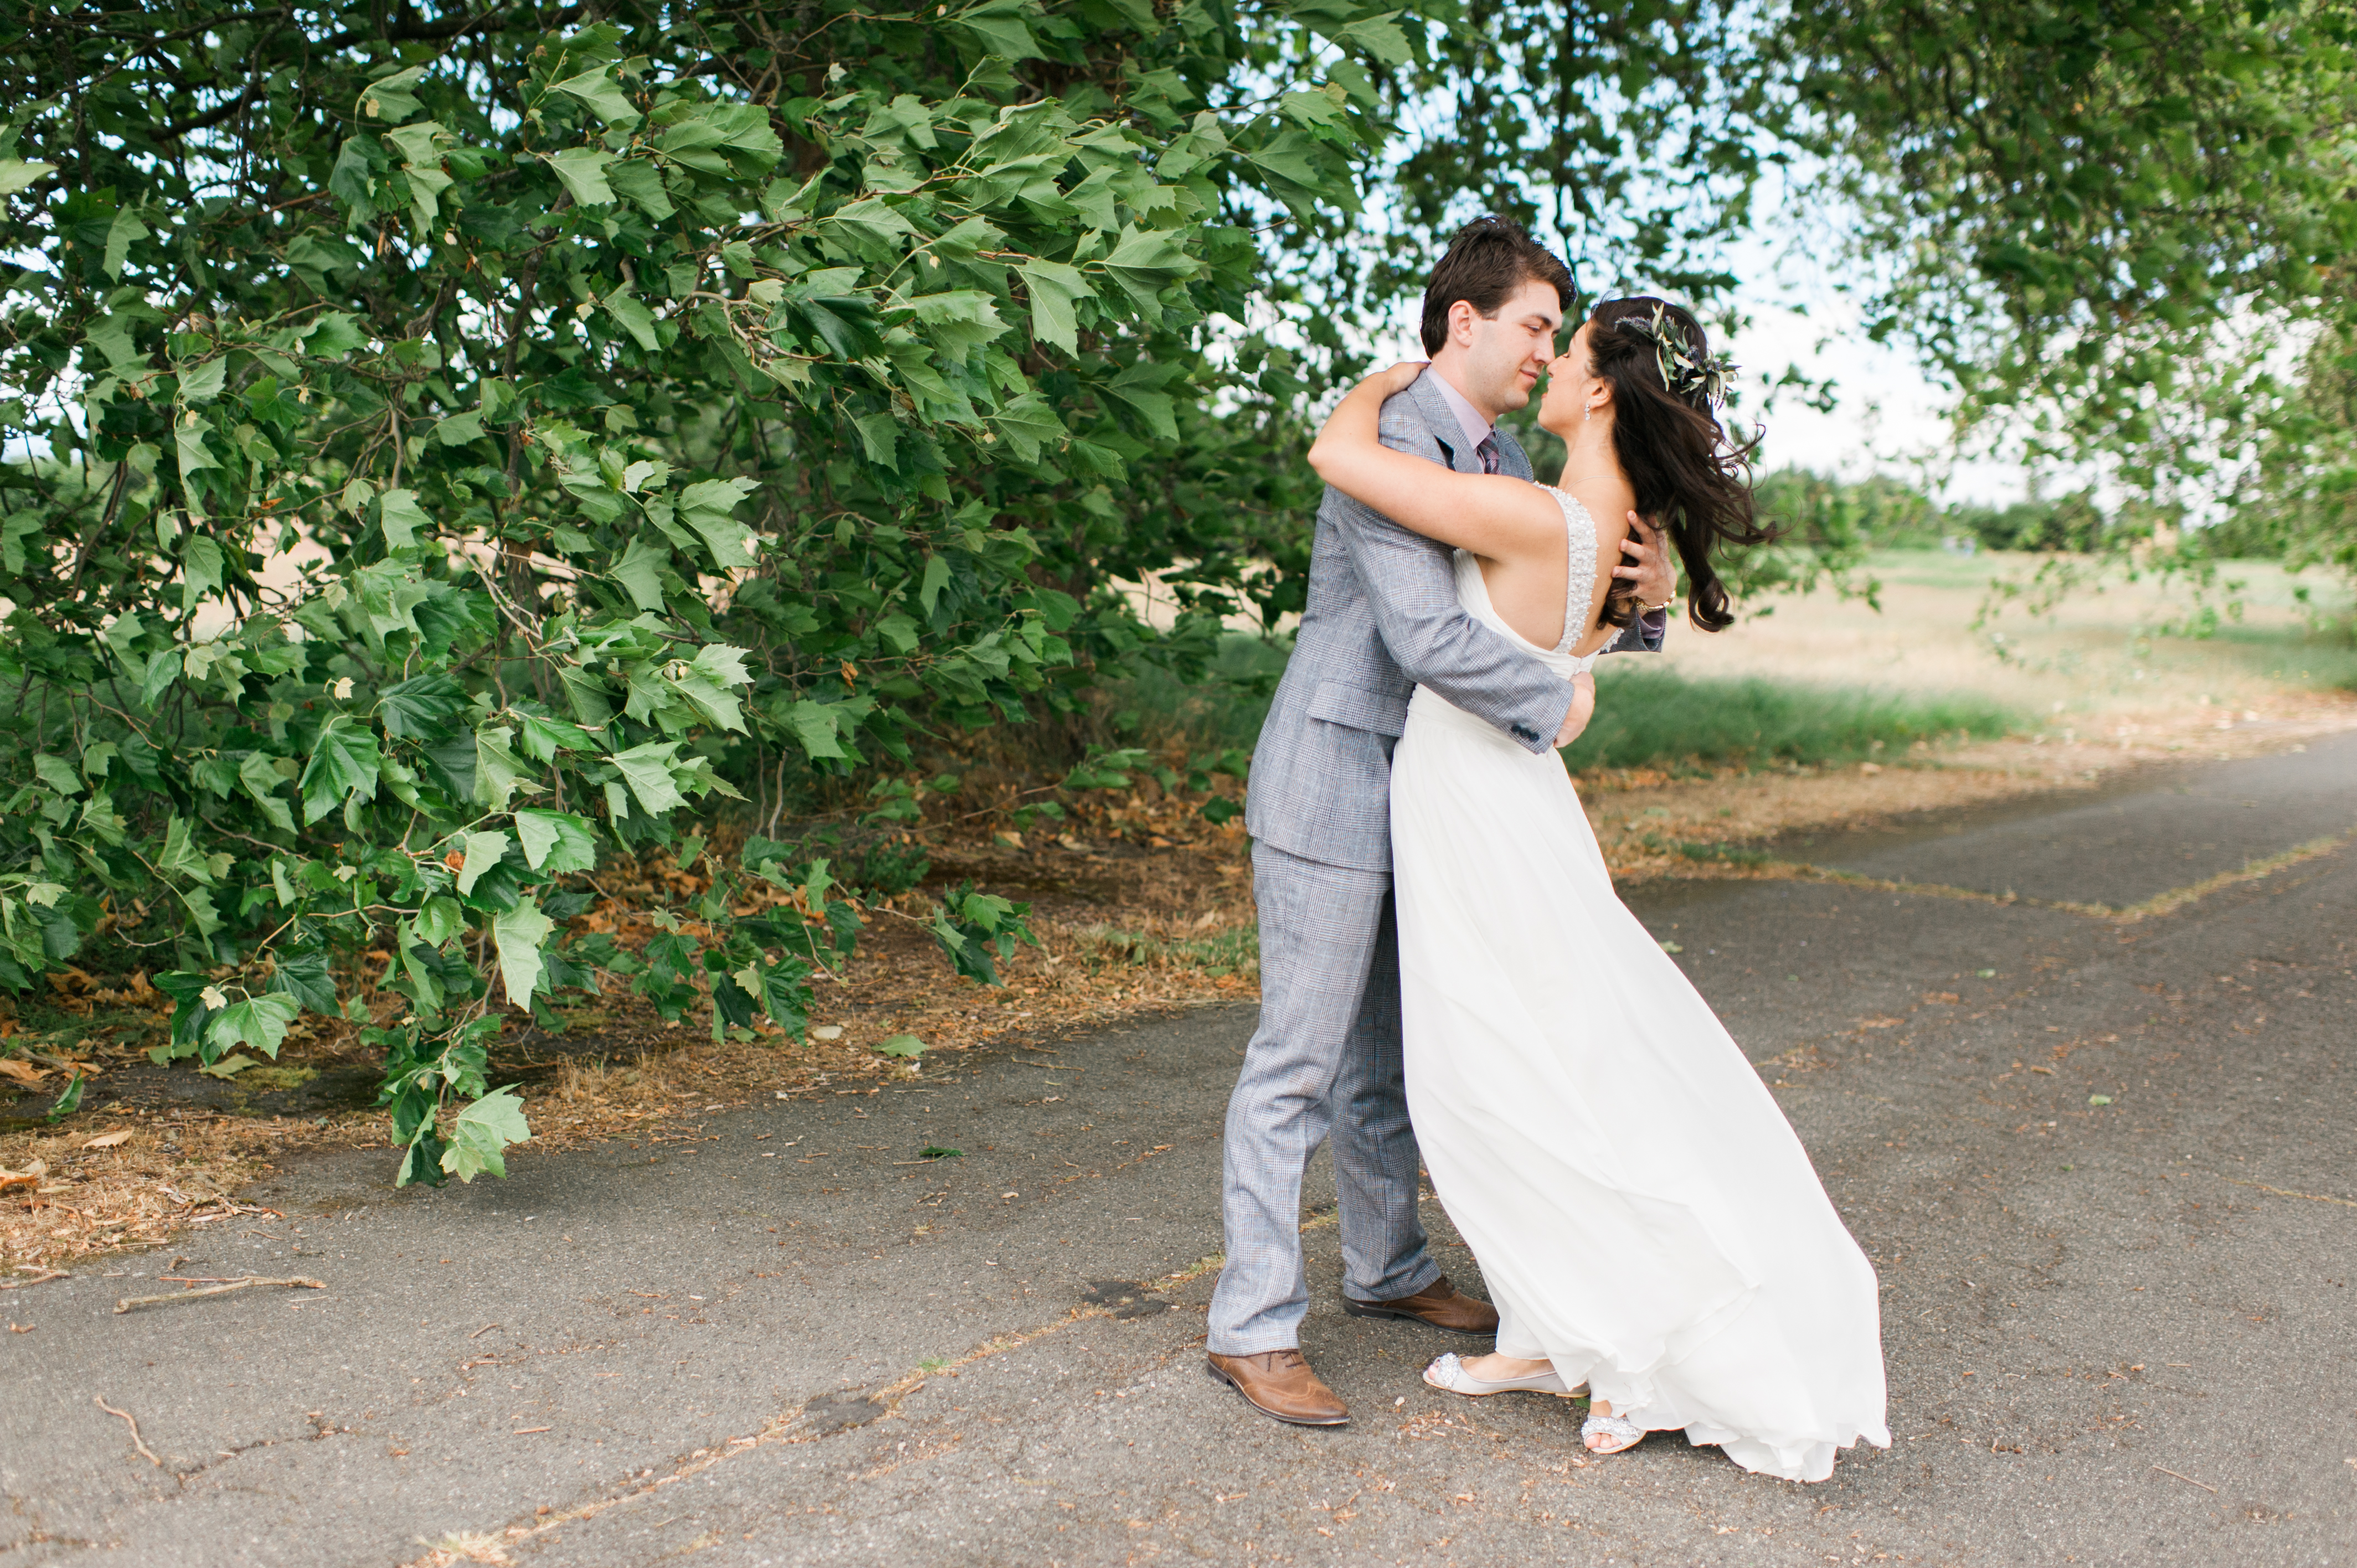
<point x="824" y="1415"/>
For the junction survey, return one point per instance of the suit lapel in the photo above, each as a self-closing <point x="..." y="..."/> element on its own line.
<point x="1441" y="420"/>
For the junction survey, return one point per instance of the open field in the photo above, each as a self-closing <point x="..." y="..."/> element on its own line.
<point x="2100" y="653"/>
<point x="2093" y="687"/>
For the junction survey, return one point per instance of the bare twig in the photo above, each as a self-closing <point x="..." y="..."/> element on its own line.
<point x="2187" y="1479"/>
<point x="129" y="1301"/>
<point x="148" y="1453"/>
<point x="2286" y="1192"/>
<point x="42" y="1277"/>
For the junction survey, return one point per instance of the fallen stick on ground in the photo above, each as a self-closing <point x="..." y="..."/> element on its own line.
<point x="2286" y="1192"/>
<point x="127" y="1303"/>
<point x="148" y="1453"/>
<point x="41" y="1277"/>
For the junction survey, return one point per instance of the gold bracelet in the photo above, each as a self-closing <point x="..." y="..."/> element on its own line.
<point x="1656" y="609"/>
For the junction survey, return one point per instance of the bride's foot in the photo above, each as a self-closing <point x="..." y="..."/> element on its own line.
<point x="1605" y="1432"/>
<point x="1496" y="1368"/>
<point x="1494" y="1374"/>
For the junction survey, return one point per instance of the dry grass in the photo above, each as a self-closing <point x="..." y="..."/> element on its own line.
<point x="173" y="1172"/>
<point x="2101" y="654"/>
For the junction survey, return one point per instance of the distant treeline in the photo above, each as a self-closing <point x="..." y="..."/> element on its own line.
<point x="1883" y="512"/>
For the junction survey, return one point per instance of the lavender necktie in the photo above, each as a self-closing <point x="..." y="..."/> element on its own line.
<point x="1488" y="452"/>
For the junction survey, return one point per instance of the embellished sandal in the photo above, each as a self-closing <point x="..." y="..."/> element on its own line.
<point x="1624" y="1433"/>
<point x="1449" y="1373"/>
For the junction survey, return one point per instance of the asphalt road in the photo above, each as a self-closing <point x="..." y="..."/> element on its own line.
<point x="2106" y="1170"/>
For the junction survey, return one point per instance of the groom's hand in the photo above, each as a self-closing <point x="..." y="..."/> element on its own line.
<point x="1646" y="563"/>
<point x="1583" y="708"/>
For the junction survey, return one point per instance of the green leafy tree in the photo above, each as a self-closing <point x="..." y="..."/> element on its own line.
<point x="2100" y="218"/>
<point x="444" y="452"/>
<point x="2299" y="502"/>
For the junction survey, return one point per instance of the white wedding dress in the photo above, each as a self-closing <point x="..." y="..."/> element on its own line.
<point x="1644" y="1215"/>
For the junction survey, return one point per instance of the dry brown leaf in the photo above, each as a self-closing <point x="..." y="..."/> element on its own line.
<point x="108" y="1140"/>
<point x="23" y="1072"/>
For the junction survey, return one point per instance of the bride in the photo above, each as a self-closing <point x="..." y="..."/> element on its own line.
<point x="1647" y="1221"/>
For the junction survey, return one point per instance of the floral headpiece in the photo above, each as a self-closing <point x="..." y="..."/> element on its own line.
<point x="1687" y="374"/>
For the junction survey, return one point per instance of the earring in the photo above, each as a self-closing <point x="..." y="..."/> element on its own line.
<point x="1588" y="413"/>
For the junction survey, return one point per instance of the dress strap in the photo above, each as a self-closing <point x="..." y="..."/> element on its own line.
<point x="1579" y="565"/>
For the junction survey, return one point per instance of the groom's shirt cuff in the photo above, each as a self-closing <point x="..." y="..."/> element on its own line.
<point x="1654" y="625"/>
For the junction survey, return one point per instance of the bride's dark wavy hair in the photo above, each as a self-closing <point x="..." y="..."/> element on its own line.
<point x="1689" y="474"/>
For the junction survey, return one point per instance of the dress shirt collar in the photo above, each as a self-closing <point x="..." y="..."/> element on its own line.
<point x="1477" y="429"/>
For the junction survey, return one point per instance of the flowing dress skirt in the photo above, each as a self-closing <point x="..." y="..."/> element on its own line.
<point x="1642" y="1212"/>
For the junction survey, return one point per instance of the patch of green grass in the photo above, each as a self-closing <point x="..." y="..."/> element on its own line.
<point x="1654" y="717"/>
<point x="1644" y="716"/>
<point x="1230" y="951"/>
<point x="2320" y="661"/>
<point x="1715" y="853"/>
<point x="1154" y="707"/>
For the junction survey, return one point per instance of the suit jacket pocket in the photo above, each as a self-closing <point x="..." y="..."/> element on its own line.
<point x="1355" y="707"/>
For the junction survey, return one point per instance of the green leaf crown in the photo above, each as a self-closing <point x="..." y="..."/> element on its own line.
<point x="1699" y="379"/>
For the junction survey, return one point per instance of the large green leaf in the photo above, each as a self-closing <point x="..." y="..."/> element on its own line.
<point x="344" y="764"/>
<point x="709" y="507"/>
<point x="648" y="768"/>
<point x="425" y="708"/>
<point x="15" y="174"/>
<point x="482" y="1135"/>
<point x="635" y="318"/>
<point x="303" y="973"/>
<point x="179" y="856"/>
<point x="402" y="518"/>
<point x="599" y="91"/>
<point x="556" y="841"/>
<point x="478" y="853"/>
<point x="258" y="1022"/>
<point x="999" y="26"/>
<point x="518" y="934"/>
<point x="1056" y="290"/>
<point x="583" y="171"/>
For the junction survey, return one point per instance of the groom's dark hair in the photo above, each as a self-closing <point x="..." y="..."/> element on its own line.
<point x="1487" y="264"/>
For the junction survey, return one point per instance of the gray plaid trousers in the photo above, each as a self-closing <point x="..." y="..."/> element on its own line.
<point x="1325" y="1058"/>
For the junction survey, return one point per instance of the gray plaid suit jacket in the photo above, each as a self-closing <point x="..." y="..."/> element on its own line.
<point x="1382" y="618"/>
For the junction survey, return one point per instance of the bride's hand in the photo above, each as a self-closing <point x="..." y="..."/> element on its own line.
<point x="1352" y="427"/>
<point x="1398" y="378"/>
<point x="1583" y="708"/>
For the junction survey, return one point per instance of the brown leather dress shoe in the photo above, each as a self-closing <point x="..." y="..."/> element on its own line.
<point x="1439" y="1304"/>
<point x="1280" y="1385"/>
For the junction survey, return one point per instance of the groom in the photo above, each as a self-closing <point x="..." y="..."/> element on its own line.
<point x="1383" y="617"/>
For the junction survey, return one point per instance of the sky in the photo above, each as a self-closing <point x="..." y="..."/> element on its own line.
<point x="1890" y="416"/>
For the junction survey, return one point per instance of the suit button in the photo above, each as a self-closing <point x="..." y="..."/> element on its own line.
<point x="1524" y="732"/>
